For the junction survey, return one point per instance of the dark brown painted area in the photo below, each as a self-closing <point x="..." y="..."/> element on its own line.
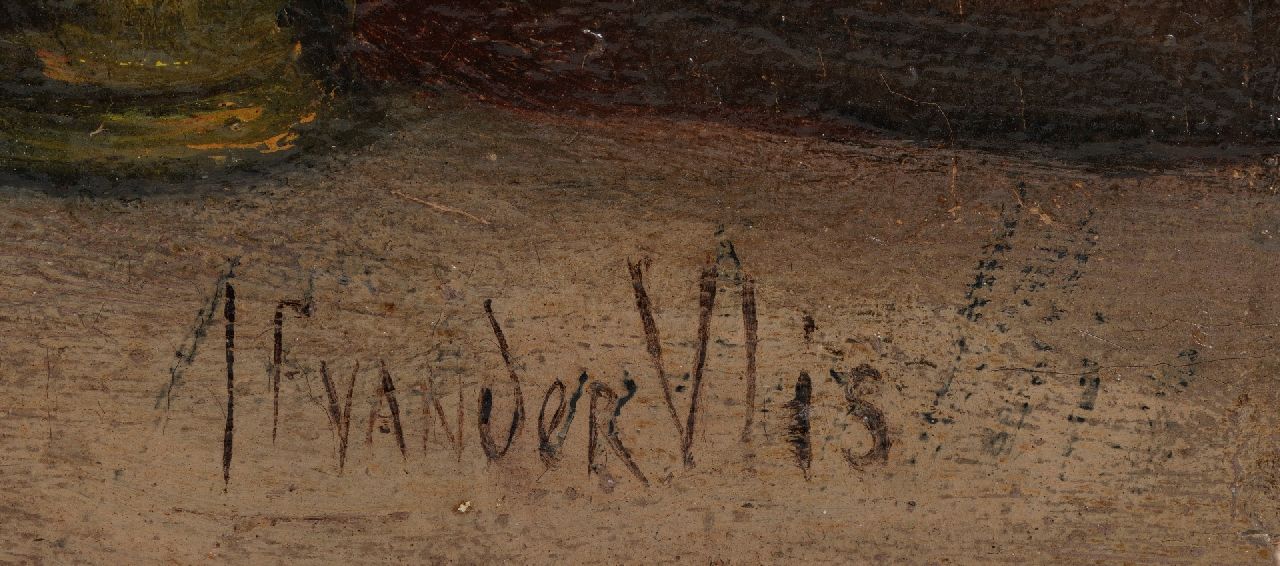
<point x="1068" y="71"/>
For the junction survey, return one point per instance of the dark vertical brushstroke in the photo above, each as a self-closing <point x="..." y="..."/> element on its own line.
<point x="614" y="439"/>
<point x="187" y="355"/>
<point x="229" y="312"/>
<point x="592" y="433"/>
<point x="303" y="308"/>
<point x="346" y="418"/>
<point x="573" y="409"/>
<point x="602" y="391"/>
<point x="335" y="414"/>
<point x="653" y="341"/>
<point x="386" y="391"/>
<point x="749" y="330"/>
<point x="549" y="450"/>
<point x="491" y="449"/>
<point x="389" y="392"/>
<point x="374" y="407"/>
<point x="340" y="417"/>
<point x="430" y="401"/>
<point x="706" y="302"/>
<point x="798" y="429"/>
<point x="870" y="415"/>
<point x="277" y="359"/>
<point x="546" y="450"/>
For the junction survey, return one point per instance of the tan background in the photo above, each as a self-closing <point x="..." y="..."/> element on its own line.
<point x="878" y="243"/>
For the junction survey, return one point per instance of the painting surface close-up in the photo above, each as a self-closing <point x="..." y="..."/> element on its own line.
<point x="611" y="282"/>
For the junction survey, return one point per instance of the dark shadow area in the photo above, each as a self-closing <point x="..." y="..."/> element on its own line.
<point x="1116" y="87"/>
<point x="1081" y="73"/>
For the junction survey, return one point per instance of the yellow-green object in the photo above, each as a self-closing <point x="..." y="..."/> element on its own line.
<point x="152" y="87"/>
